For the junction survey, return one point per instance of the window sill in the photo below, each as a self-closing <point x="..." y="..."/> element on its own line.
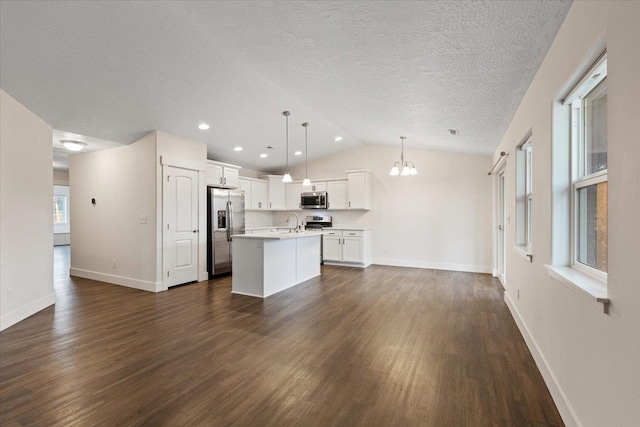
<point x="586" y="286"/>
<point x="522" y="251"/>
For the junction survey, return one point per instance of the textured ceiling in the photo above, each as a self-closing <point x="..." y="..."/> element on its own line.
<point x="368" y="71"/>
<point x="61" y="154"/>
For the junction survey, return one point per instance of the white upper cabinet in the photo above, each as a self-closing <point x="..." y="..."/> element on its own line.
<point x="359" y="190"/>
<point x="317" y="186"/>
<point x="259" y="195"/>
<point x="245" y="185"/>
<point x="292" y="196"/>
<point x="338" y="195"/>
<point x="221" y="174"/>
<point x="276" y="192"/>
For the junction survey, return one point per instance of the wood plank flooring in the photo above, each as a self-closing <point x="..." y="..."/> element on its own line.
<point x="383" y="346"/>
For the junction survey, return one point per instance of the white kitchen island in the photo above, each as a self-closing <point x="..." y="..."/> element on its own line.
<point x="269" y="262"/>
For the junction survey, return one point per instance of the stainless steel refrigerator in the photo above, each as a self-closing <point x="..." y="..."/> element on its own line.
<point x="225" y="218"/>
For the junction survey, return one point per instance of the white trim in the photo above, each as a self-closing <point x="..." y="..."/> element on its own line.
<point x="247" y="294"/>
<point x="117" y="280"/>
<point x="582" y="284"/>
<point x="524" y="252"/>
<point x="182" y="163"/>
<point x="346" y="264"/>
<point x="26" y="311"/>
<point x="567" y="413"/>
<point x="589" y="80"/>
<point x="469" y="268"/>
<point x="217" y="163"/>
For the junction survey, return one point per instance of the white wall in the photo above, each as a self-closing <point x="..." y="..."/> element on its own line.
<point x="26" y="228"/>
<point x="440" y="218"/>
<point x="60" y="177"/>
<point x="590" y="360"/>
<point x="123" y="182"/>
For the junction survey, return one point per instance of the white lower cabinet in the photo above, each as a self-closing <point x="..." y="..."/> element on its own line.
<point x="350" y="247"/>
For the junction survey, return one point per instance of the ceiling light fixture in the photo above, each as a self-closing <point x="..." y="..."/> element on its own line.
<point x="406" y="169"/>
<point x="73" y="145"/>
<point x="297" y="153"/>
<point x="203" y="126"/>
<point x="238" y="149"/>
<point x="263" y="155"/>
<point x="338" y="138"/>
<point x="306" y="182"/>
<point x="287" y="176"/>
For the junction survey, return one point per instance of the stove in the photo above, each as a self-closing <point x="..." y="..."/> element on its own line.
<point x="314" y="222"/>
<point x="318" y="222"/>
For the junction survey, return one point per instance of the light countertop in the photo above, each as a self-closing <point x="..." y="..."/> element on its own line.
<point x="277" y="235"/>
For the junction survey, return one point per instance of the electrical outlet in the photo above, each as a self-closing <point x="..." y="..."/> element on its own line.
<point x="10" y="294"/>
<point x="385" y="251"/>
<point x="143" y="219"/>
<point x="113" y="263"/>
<point x="518" y="293"/>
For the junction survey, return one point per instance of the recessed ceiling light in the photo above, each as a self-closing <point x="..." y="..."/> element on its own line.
<point x="203" y="126"/>
<point x="338" y="138"/>
<point x="238" y="149"/>
<point x="297" y="153"/>
<point x="453" y="132"/>
<point x="73" y="145"/>
<point x="263" y="155"/>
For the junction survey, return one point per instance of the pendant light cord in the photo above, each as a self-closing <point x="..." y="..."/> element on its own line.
<point x="306" y="151"/>
<point x="286" y="115"/>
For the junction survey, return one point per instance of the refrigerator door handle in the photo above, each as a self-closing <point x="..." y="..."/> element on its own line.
<point x="230" y="219"/>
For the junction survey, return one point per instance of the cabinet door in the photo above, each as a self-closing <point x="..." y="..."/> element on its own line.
<point x="276" y="194"/>
<point x="331" y="248"/>
<point x="259" y="195"/>
<point x="318" y="186"/>
<point x="357" y="193"/>
<point x="245" y="185"/>
<point x="292" y="196"/>
<point x="230" y="177"/>
<point x="337" y="195"/>
<point x="352" y="250"/>
<point x="213" y="175"/>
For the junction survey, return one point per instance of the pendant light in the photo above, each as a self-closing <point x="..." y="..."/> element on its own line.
<point x="306" y="181"/>
<point x="406" y="169"/>
<point x="287" y="176"/>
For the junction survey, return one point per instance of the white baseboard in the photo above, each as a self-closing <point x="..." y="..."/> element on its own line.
<point x="564" y="407"/>
<point x="27" y="310"/>
<point x="434" y="265"/>
<point x="117" y="280"/>
<point x="345" y="264"/>
<point x="248" y="294"/>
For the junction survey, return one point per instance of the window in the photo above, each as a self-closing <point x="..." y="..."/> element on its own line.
<point x="524" y="199"/>
<point x="589" y="172"/>
<point x="60" y="210"/>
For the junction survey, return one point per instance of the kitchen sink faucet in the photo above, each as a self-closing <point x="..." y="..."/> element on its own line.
<point x="297" y="221"/>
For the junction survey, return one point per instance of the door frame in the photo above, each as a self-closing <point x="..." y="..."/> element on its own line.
<point x="178" y="162"/>
<point x="500" y="220"/>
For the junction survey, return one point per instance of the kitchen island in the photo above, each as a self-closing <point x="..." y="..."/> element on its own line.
<point x="270" y="262"/>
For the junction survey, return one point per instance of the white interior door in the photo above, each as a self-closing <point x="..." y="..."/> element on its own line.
<point x="501" y="229"/>
<point x="180" y="223"/>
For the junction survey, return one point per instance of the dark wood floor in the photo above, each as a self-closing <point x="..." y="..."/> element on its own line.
<point x="382" y="346"/>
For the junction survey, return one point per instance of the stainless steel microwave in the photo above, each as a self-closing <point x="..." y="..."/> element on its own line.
<point x="314" y="200"/>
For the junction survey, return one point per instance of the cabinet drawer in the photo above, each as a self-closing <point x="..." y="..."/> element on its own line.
<point x="352" y="233"/>
<point x="332" y="232"/>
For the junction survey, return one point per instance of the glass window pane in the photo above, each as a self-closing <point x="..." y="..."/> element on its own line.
<point x="596" y="129"/>
<point x="59" y="209"/>
<point x="592" y="226"/>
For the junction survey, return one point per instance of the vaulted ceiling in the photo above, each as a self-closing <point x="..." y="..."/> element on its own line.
<point x="366" y="71"/>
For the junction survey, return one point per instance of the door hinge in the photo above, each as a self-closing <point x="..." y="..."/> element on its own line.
<point x="167" y="274"/>
<point x="167" y="226"/>
<point x="168" y="176"/>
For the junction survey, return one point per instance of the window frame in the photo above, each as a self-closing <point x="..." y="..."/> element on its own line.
<point x="65" y="219"/>
<point x="579" y="176"/>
